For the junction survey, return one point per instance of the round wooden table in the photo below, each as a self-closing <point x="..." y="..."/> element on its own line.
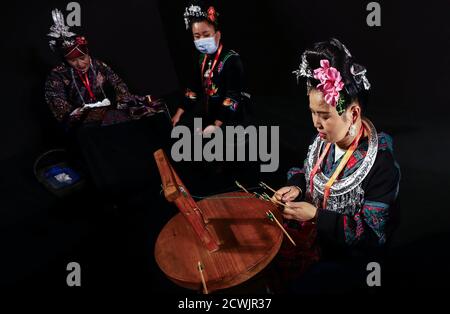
<point x="248" y="242"/>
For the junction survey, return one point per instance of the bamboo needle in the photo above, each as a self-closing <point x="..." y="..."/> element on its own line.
<point x="262" y="184"/>
<point x="200" y="269"/>
<point x="267" y="198"/>
<point x="272" y="217"/>
<point x="241" y="187"/>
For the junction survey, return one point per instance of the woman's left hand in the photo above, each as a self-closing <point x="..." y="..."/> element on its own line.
<point x="300" y="211"/>
<point x="210" y="129"/>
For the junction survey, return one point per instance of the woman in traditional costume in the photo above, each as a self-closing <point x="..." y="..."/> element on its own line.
<point x="342" y="201"/>
<point x="116" y="153"/>
<point x="219" y="96"/>
<point x="76" y="90"/>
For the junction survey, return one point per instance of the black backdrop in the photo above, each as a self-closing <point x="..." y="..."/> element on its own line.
<point x="127" y="35"/>
<point x="145" y="42"/>
<point x="406" y="57"/>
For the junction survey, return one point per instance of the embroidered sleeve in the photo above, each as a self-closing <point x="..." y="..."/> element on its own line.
<point x="233" y="72"/>
<point x="55" y="96"/>
<point x="189" y="99"/>
<point x="372" y="226"/>
<point x="294" y="171"/>
<point x="190" y="78"/>
<point x="123" y="95"/>
<point x="296" y="177"/>
<point x="372" y="223"/>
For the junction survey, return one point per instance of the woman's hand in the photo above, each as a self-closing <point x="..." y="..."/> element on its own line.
<point x="190" y="94"/>
<point x="177" y="116"/>
<point x="287" y="194"/>
<point x="175" y="120"/>
<point x="300" y="211"/>
<point x="210" y="129"/>
<point x="77" y="113"/>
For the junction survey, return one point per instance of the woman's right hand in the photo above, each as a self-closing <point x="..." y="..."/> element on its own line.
<point x="287" y="194"/>
<point x="177" y="116"/>
<point x="175" y="120"/>
<point x="77" y="113"/>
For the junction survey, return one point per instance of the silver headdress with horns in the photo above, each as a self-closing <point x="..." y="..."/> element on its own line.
<point x="304" y="70"/>
<point x="59" y="31"/>
<point x="193" y="11"/>
<point x="359" y="74"/>
<point x="357" y="70"/>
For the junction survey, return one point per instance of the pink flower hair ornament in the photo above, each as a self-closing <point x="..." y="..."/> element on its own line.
<point x="330" y="82"/>
<point x="212" y="14"/>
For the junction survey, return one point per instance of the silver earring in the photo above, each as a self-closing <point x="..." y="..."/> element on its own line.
<point x="352" y="130"/>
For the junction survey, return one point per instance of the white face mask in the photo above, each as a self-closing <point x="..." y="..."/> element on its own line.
<point x="206" y="45"/>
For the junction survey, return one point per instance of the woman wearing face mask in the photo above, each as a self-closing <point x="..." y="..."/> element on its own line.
<point x="342" y="202"/>
<point x="219" y="97"/>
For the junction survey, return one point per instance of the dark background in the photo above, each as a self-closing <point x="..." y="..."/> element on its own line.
<point x="146" y="44"/>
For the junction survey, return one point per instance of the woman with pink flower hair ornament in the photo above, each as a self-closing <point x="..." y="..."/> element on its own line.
<point x="341" y="205"/>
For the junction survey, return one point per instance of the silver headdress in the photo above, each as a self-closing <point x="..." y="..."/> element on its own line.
<point x="304" y="70"/>
<point x="193" y="11"/>
<point x="59" y="31"/>
<point x="358" y="71"/>
<point x="359" y="74"/>
<point x="347" y="52"/>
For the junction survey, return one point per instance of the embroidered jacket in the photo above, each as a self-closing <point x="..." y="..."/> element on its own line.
<point x="360" y="212"/>
<point x="223" y="100"/>
<point x="65" y="91"/>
